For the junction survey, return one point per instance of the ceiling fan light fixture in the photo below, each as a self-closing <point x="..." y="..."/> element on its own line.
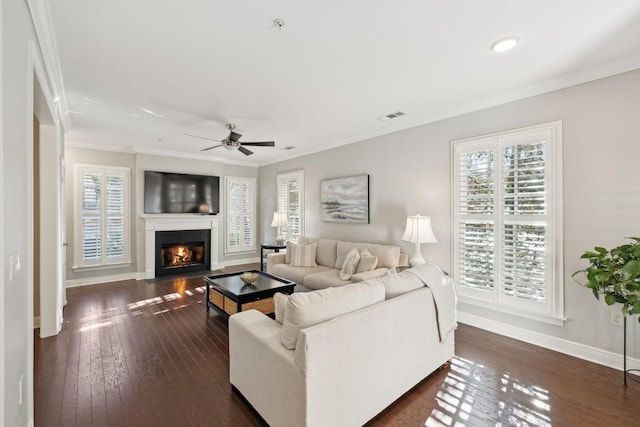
<point x="505" y="44"/>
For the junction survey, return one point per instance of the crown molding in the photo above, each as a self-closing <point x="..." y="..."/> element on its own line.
<point x="163" y="153"/>
<point x="42" y="23"/>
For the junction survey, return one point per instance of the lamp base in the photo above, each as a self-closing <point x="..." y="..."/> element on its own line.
<point x="280" y="240"/>
<point x="417" y="257"/>
<point x="417" y="260"/>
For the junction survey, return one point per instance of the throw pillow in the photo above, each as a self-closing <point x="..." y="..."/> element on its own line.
<point x="303" y="255"/>
<point x="350" y="264"/>
<point x="280" y="304"/>
<point x="367" y="262"/>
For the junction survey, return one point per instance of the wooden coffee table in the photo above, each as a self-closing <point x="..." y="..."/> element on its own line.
<point x="228" y="294"/>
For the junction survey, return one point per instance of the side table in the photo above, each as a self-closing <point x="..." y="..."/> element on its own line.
<point x="274" y="246"/>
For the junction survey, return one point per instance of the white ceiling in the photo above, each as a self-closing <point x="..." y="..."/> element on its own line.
<point x="325" y="78"/>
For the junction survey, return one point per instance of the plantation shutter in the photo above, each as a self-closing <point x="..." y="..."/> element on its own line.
<point x="476" y="230"/>
<point x="241" y="214"/>
<point x="91" y="216"/>
<point x="290" y="194"/>
<point x="524" y="261"/>
<point x="504" y="219"/>
<point x="115" y="189"/>
<point x="101" y="216"/>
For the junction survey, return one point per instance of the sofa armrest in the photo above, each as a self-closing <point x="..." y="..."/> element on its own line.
<point x="263" y="370"/>
<point x="366" y="275"/>
<point x="275" y="258"/>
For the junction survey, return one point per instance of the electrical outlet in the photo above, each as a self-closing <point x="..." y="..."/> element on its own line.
<point x="616" y="317"/>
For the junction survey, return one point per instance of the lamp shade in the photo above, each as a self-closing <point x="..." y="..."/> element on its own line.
<point x="419" y="230"/>
<point x="280" y="219"/>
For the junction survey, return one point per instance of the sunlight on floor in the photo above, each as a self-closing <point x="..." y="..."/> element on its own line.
<point x="150" y="306"/>
<point x="463" y="400"/>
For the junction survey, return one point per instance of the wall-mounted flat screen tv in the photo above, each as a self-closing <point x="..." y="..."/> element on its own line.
<point x="166" y="192"/>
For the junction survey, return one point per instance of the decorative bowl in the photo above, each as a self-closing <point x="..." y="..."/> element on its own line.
<point x="248" y="278"/>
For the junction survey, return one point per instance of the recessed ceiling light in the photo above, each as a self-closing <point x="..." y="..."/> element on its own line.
<point x="504" y="44"/>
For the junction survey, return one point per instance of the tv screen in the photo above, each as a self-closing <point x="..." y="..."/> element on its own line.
<point x="166" y="192"/>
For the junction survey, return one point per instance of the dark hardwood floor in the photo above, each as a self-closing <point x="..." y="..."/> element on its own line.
<point x="145" y="353"/>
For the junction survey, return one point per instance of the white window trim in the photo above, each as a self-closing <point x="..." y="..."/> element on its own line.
<point x="290" y="176"/>
<point x="78" y="264"/>
<point x="554" y="309"/>
<point x="243" y="248"/>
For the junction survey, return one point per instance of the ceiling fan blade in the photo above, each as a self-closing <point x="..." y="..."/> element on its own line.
<point x="260" y="144"/>
<point x="245" y="151"/>
<point x="233" y="136"/>
<point x="202" y="137"/>
<point x="209" y="148"/>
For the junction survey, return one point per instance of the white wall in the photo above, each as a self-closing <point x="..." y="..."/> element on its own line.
<point x="410" y="173"/>
<point x="18" y="43"/>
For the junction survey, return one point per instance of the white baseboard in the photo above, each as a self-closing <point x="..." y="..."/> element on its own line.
<point x="36" y="322"/>
<point x="253" y="260"/>
<point x="101" y="279"/>
<point x="143" y="275"/>
<point x="591" y="354"/>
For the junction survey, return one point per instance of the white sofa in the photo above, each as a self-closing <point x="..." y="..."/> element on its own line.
<point x="346" y="369"/>
<point x="330" y="255"/>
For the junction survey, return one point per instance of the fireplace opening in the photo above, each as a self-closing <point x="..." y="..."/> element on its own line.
<point x="182" y="251"/>
<point x="177" y="256"/>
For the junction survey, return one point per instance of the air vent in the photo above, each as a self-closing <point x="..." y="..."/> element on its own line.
<point x="290" y="147"/>
<point x="392" y="116"/>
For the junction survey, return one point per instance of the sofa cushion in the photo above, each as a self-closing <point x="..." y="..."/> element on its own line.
<point x="399" y="283"/>
<point x="296" y="274"/>
<point x="350" y="264"/>
<point x="310" y="308"/>
<point x="326" y="254"/>
<point x="280" y="304"/>
<point x="329" y="278"/>
<point x="388" y="255"/>
<point x="367" y="261"/>
<point x="303" y="255"/>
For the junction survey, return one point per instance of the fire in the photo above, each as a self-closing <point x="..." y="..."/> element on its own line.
<point x="181" y="256"/>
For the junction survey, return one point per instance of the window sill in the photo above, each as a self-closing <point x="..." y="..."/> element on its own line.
<point x="124" y="264"/>
<point x="517" y="312"/>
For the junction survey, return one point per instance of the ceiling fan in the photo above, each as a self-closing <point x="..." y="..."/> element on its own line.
<point x="232" y="142"/>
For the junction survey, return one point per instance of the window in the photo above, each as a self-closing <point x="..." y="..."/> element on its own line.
<point x="507" y="220"/>
<point x="240" y="204"/>
<point x="290" y="195"/>
<point x="101" y="219"/>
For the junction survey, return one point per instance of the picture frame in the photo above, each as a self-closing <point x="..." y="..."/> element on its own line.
<point x="345" y="199"/>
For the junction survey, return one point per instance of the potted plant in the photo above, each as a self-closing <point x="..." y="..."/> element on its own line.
<point x="615" y="274"/>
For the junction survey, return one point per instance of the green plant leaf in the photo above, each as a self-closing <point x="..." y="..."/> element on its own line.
<point x="601" y="250"/>
<point x="595" y="293"/>
<point x="631" y="268"/>
<point x="610" y="299"/>
<point x="590" y="255"/>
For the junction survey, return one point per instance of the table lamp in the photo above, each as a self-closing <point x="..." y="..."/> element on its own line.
<point x="280" y="219"/>
<point x="418" y="231"/>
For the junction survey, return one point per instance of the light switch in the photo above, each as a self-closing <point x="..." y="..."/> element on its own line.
<point x="14" y="265"/>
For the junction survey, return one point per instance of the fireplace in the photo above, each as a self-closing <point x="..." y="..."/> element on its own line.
<point x="183" y="251"/>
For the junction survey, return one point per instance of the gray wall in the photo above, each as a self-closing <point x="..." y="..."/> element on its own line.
<point x="138" y="163"/>
<point x="410" y="173"/>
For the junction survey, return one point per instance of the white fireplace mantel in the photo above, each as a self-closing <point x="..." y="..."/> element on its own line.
<point x="168" y="222"/>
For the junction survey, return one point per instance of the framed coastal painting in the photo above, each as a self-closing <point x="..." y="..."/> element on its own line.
<point x="345" y="199"/>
